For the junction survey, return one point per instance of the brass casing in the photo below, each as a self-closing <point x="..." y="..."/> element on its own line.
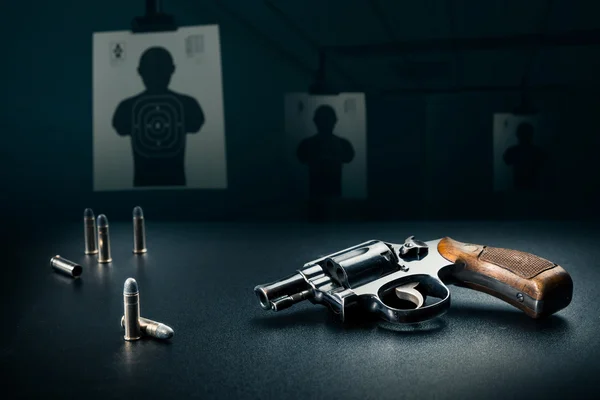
<point x="131" y="323"/>
<point x="65" y="266"/>
<point x="152" y="328"/>
<point x="104" y="255"/>
<point x="139" y="235"/>
<point x="89" y="234"/>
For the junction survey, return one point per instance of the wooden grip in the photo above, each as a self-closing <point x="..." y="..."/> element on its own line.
<point x="531" y="283"/>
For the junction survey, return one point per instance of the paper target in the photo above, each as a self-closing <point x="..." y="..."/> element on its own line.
<point x="326" y="145"/>
<point x="158" y="110"/>
<point x="520" y="158"/>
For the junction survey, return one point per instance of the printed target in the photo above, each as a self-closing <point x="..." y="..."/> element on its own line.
<point x="521" y="158"/>
<point x="158" y="110"/>
<point x="158" y="127"/>
<point x="326" y="145"/>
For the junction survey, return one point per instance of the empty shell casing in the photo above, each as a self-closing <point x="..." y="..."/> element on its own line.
<point x="153" y="329"/>
<point x="139" y="231"/>
<point x="131" y="308"/>
<point x="103" y="240"/>
<point x="89" y="232"/>
<point x="65" y="266"/>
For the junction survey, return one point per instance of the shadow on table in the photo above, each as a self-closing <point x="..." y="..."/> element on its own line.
<point x="305" y="317"/>
<point x="509" y="319"/>
<point x="363" y="322"/>
<point x="75" y="283"/>
<point x="141" y="265"/>
<point x="506" y="319"/>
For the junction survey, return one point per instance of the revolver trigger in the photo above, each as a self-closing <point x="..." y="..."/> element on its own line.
<point x="409" y="293"/>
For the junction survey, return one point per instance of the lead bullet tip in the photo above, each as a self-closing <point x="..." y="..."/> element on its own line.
<point x="102" y="221"/>
<point x="130" y="287"/>
<point x="88" y="213"/>
<point x="137" y="212"/>
<point x="164" y="332"/>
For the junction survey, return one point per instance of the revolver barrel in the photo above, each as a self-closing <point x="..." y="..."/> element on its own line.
<point x="283" y="293"/>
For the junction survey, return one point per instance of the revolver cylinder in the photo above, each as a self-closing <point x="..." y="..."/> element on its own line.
<point x="361" y="264"/>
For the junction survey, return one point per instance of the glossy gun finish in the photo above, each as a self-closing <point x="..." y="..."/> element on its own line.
<point x="377" y="277"/>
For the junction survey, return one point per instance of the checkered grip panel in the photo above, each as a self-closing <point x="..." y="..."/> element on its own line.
<point x="523" y="264"/>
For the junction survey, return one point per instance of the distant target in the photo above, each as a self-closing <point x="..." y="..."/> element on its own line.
<point x="326" y="145"/>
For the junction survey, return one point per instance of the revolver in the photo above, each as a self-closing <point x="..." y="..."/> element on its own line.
<point x="406" y="283"/>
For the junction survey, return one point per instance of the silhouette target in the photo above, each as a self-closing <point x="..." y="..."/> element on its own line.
<point x="325" y="153"/>
<point x="326" y="146"/>
<point x="520" y="157"/>
<point x="158" y="120"/>
<point x="525" y="158"/>
<point x="158" y="110"/>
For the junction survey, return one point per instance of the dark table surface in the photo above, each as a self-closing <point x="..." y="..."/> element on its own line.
<point x="62" y="337"/>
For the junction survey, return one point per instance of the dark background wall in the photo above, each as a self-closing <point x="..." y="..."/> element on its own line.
<point x="429" y="107"/>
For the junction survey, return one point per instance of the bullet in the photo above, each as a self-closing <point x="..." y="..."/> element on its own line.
<point x="153" y="329"/>
<point x="131" y="314"/>
<point x="89" y="232"/>
<point x="139" y="231"/>
<point x="65" y="266"/>
<point x="103" y="240"/>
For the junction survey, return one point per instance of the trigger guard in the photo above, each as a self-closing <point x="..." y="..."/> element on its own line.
<point x="396" y="315"/>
